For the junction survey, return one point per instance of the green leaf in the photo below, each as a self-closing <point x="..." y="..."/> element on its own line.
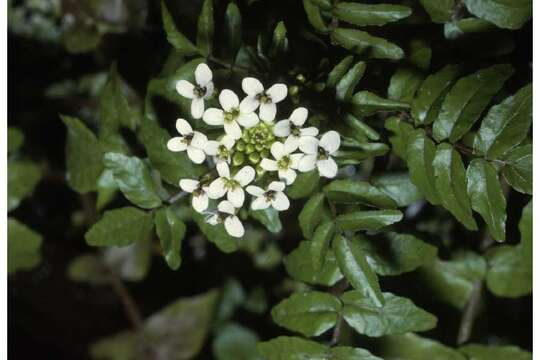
<point x="360" y="129"/>
<point x="517" y="170"/>
<point x="309" y="313"/>
<point x="15" y="139"/>
<point x="505" y="125"/>
<point x="269" y="218"/>
<point x="363" y="315"/>
<point x="205" y="27"/>
<point x="399" y="187"/>
<point x="425" y="105"/>
<point x="299" y="265"/>
<point x="440" y="11"/>
<point x="171" y="231"/>
<point x="83" y="156"/>
<point x="106" y="189"/>
<point x="368" y="220"/>
<point x="404" y="83"/>
<point x="339" y="71"/>
<point x="484" y="352"/>
<point x="311" y="214"/>
<point x="360" y="153"/>
<point x="487" y="197"/>
<point x="88" y="269"/>
<point x="509" y="273"/>
<point x="356" y="191"/>
<point x="414" y="347"/>
<point x="232" y="297"/>
<point x="366" y="103"/>
<point x="23" y="176"/>
<point x="369" y="15"/>
<point x="467" y="100"/>
<point x="280" y="43"/>
<point x="216" y="234"/>
<point x="131" y="262"/>
<point x="23" y="247"/>
<point x="349" y="353"/>
<point x="455" y="30"/>
<point x="401" y="130"/>
<point x="506" y="14"/>
<point x="362" y="43"/>
<point x="233" y="342"/>
<point x="314" y="16"/>
<point x="420" y="54"/>
<point x="391" y="253"/>
<point x="81" y="38"/>
<point x="304" y="185"/>
<point x="175" y="37"/>
<point x="526" y="230"/>
<point x="133" y="178"/>
<point x="420" y="155"/>
<point x="120" y="346"/>
<point x="292" y="348"/>
<point x="352" y="262"/>
<point x="120" y="227"/>
<point x="233" y="29"/>
<point x="345" y="87"/>
<point x="451" y="184"/>
<point x="320" y="242"/>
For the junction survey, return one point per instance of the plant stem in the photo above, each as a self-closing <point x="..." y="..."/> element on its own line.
<point x="177" y="197"/>
<point x="471" y="313"/>
<point x="130" y="307"/>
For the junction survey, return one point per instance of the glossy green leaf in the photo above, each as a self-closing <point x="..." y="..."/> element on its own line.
<point x="233" y="29"/>
<point x="526" y="231"/>
<point x="414" y="347"/>
<point x="368" y="220"/>
<point x="399" y="137"/>
<point x="349" y="353"/>
<point x="451" y="184"/>
<point x="23" y="247"/>
<point x="175" y="37"/>
<point x="487" y="197"/>
<point x="352" y="262"/>
<point x="269" y="218"/>
<point x="398" y="186"/>
<point x="205" y="28"/>
<point x="339" y="70"/>
<point x="362" y="43"/>
<point x="304" y="185"/>
<point x="517" y="170"/>
<point x="120" y="227"/>
<point x="106" y="189"/>
<point x="366" y="103"/>
<point x="133" y="178"/>
<point x="505" y="125"/>
<point x="314" y="16"/>
<point x="234" y="341"/>
<point x="369" y="15"/>
<point x="506" y="14"/>
<point x="320" y="243"/>
<point x="346" y="85"/>
<point x="83" y="156"/>
<point x="171" y="231"/>
<point x="23" y="176"/>
<point x="509" y="273"/>
<point x="398" y="315"/>
<point x="15" y="139"/>
<point x="280" y="43"/>
<point x="292" y="348"/>
<point x="309" y="313"/>
<point x="404" y="83"/>
<point x="360" y="153"/>
<point x="420" y="54"/>
<point x="88" y="269"/>
<point x="466" y="101"/>
<point x="420" y="155"/>
<point x="311" y="214"/>
<point x="216" y="234"/>
<point x="424" y="107"/>
<point x="356" y="191"/>
<point x="361" y="129"/>
<point x="494" y="352"/>
<point x="440" y="11"/>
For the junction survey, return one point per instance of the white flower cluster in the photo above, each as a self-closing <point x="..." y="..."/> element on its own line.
<point x="286" y="147"/>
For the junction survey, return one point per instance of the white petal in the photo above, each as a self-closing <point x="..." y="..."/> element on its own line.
<point x="234" y="226"/>
<point x="199" y="140"/>
<point x="327" y="168"/>
<point x="252" y="86"/>
<point x="213" y="219"/>
<point x="309" y="131"/>
<point x="228" y="141"/>
<point x="295" y="160"/>
<point x="280" y="202"/>
<point x="226" y="207"/>
<point x="267" y="112"/>
<point x="260" y="203"/>
<point x="209" y="90"/>
<point x="291" y="144"/>
<point x="255" y="190"/>
<point x="189" y="185"/>
<point x="282" y="128"/>
<point x="268" y="165"/>
<point x="183" y="127"/>
<point x="233" y="129"/>
<point x="185" y="89"/>
<point x="203" y="74"/>
<point x="299" y="116"/>
<point x="330" y="141"/>
<point x="277" y="92"/>
<point x="309" y="145"/>
<point x="248" y="120"/>
<point x="217" y="189"/>
<point x="196" y="155"/>
<point x="176" y="144"/>
<point x="307" y="163"/>
<point x="197" y="108"/>
<point x="223" y="170"/>
<point x="211" y="148"/>
<point x="213" y="116"/>
<point x="200" y="203"/>
<point x="249" y="104"/>
<point x="245" y="175"/>
<point x="278" y="150"/>
<point x="276" y="186"/>
<point x="228" y="100"/>
<point x="288" y="176"/>
<point x="236" y="196"/>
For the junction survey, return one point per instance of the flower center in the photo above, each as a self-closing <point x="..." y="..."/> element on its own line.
<point x="284" y="163"/>
<point x="199" y="91"/>
<point x="255" y="144"/>
<point x="223" y="152"/>
<point x="187" y="138"/>
<point x="322" y="154"/>
<point x="231" y="115"/>
<point x="269" y="195"/>
<point x="295" y="131"/>
<point x="231" y="184"/>
<point x="264" y="98"/>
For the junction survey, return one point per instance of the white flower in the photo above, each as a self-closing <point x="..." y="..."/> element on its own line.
<point x="192" y="141"/>
<point x="203" y="89"/>
<point x="257" y="96"/>
<point x="285" y="162"/>
<point x="319" y="153"/>
<point x="231" y="185"/>
<point x="232" y="116"/>
<point x="272" y="196"/>
<point x="220" y="150"/>
<point x="226" y="215"/>
<point x="199" y="199"/>
<point x="292" y="127"/>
